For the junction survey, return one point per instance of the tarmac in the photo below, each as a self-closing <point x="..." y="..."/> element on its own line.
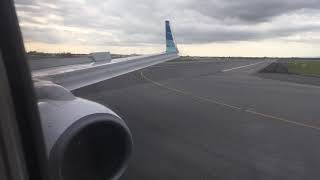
<point x="215" y="120"/>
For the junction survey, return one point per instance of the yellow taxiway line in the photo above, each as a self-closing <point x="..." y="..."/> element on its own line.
<point x="233" y="107"/>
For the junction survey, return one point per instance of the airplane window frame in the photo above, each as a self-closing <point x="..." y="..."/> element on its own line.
<point x="24" y="105"/>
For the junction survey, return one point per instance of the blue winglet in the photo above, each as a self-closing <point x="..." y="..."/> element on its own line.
<point x="170" y="42"/>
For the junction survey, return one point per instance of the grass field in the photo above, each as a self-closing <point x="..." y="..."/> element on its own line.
<point x="305" y="67"/>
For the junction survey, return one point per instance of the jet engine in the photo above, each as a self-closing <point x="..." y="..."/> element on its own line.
<point x="84" y="140"/>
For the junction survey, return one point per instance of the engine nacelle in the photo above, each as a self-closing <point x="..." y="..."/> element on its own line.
<point x="84" y="140"/>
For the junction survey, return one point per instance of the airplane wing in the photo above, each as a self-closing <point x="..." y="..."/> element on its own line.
<point x="84" y="139"/>
<point x="76" y="76"/>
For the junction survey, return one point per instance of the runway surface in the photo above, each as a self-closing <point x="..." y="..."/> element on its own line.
<point x="215" y="120"/>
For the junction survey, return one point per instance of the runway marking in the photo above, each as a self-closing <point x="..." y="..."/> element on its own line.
<point x="226" y="70"/>
<point x="193" y="61"/>
<point x="283" y="120"/>
<point x="182" y="92"/>
<point x="189" y="93"/>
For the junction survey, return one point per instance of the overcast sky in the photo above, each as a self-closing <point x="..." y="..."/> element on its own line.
<point x="201" y="27"/>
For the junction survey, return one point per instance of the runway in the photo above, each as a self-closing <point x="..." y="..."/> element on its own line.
<point x="215" y="120"/>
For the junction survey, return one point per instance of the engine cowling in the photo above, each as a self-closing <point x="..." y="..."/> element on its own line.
<point x="84" y="139"/>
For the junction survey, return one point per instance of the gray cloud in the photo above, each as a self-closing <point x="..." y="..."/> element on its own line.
<point x="121" y="23"/>
<point x="224" y="34"/>
<point x="250" y="11"/>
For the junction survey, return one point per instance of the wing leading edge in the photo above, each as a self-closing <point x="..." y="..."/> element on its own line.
<point x="76" y="76"/>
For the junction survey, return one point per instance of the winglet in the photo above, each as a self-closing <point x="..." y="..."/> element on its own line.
<point x="170" y="42"/>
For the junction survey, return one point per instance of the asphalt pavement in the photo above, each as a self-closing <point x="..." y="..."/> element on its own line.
<point x="215" y="120"/>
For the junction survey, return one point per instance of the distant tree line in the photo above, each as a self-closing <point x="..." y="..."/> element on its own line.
<point x="68" y="54"/>
<point x="63" y="54"/>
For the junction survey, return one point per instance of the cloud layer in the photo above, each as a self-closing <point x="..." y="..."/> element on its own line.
<point x="140" y="22"/>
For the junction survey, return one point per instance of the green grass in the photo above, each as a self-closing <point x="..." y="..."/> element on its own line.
<point x="305" y="67"/>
